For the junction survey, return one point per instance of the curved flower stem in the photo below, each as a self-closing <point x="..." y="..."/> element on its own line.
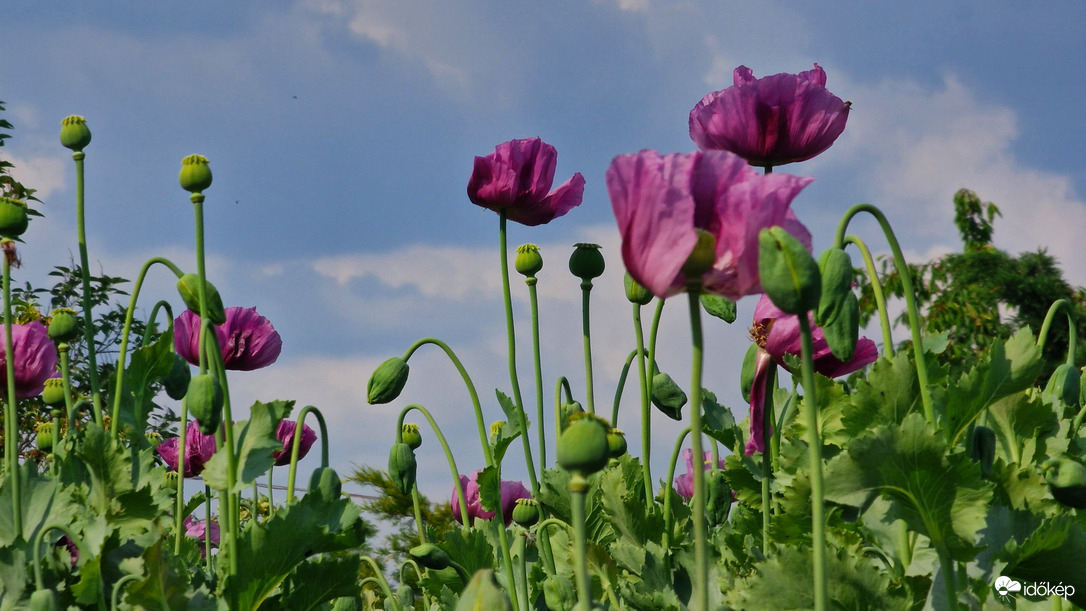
<point x="586" y="332"/>
<point x="161" y="304"/>
<point x="11" y="415"/>
<point x="410" y="563"/>
<point x="511" y="337"/>
<point x="533" y="299"/>
<point x="88" y="317"/>
<point x="390" y="599"/>
<point x="767" y="453"/>
<point x="484" y="438"/>
<point x="416" y="505"/>
<point x="123" y="351"/>
<point x="876" y="292"/>
<point x="562" y="384"/>
<point x="625" y="373"/>
<point x="115" y="598"/>
<point x="464" y="517"/>
<point x="665" y="539"/>
<point x="578" y="487"/>
<point x="646" y="406"/>
<point x="910" y="298"/>
<point x="653" y="331"/>
<point x="814" y="448"/>
<point x="1072" y="332"/>
<point x="546" y="539"/>
<point x="38" y="581"/>
<point x="296" y="445"/>
<point x="701" y="548"/>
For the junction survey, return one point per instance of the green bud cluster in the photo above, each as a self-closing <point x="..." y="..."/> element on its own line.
<point x="583" y="447"/>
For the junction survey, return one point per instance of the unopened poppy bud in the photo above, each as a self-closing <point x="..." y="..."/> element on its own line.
<point x="64" y="325"/>
<point x="1063" y="387"/>
<point x="195" y="174"/>
<point x="1066" y="479"/>
<point x="718" y="306"/>
<point x="558" y="592"/>
<point x="528" y="261"/>
<point x="484" y="594"/>
<point x="636" y="293"/>
<point x="616" y="441"/>
<point x="44" y="436"/>
<point x="982" y="447"/>
<point x="526" y="512"/>
<point x="720" y="497"/>
<point x="406" y="596"/>
<point x="53" y="393"/>
<point x="13" y="217"/>
<point x="843" y="333"/>
<point x="74" y="133"/>
<point x="326" y="483"/>
<point x="583" y="446"/>
<point x="789" y="274"/>
<point x="205" y="402"/>
<point x="835" y="267"/>
<point x="171" y="480"/>
<point x="188" y="286"/>
<point x="176" y="382"/>
<point x="586" y="262"/>
<point x="702" y="258"/>
<point x="411" y="435"/>
<point x="667" y="396"/>
<point x="747" y="372"/>
<point x="44" y="600"/>
<point x="402" y="467"/>
<point x="430" y="556"/>
<point x="387" y="381"/>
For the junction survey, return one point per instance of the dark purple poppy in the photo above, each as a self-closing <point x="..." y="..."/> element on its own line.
<point x="247" y="340"/>
<point x="517" y="178"/>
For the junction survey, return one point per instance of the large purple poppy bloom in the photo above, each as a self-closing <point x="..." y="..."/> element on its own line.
<point x="661" y="200"/>
<point x="517" y="178"/>
<point x="772" y="120"/>
<point x="285" y="433"/>
<point x="777" y="334"/>
<point x="248" y="340"/>
<point x="511" y="491"/>
<point x="35" y="360"/>
<point x="199" y="449"/>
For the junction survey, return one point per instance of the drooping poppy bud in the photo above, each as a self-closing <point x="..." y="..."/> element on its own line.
<point x="406" y="595"/>
<point x="720" y="498"/>
<point x="13" y="217"/>
<point x="835" y="267"/>
<point x="667" y="396"/>
<point x="586" y="262"/>
<point x="526" y="512"/>
<point x="583" y="446"/>
<point x="387" y="381"/>
<point x="982" y="447"/>
<point x="402" y="467"/>
<point x="558" y="592"/>
<point x="636" y="293"/>
<point x="195" y="174"/>
<point x="843" y="333"/>
<point x="205" y="402"/>
<point x="188" y="286"/>
<point x="176" y="382"/>
<point x="484" y="594"/>
<point x="430" y="556"/>
<point x="1066" y="479"/>
<point x="63" y="325"/>
<point x="411" y="435"/>
<point x="44" y="600"/>
<point x="789" y="274"/>
<point x="528" y="261"/>
<point x="568" y="409"/>
<point x="74" y="133"/>
<point x="1063" y="387"/>
<point x="326" y="482"/>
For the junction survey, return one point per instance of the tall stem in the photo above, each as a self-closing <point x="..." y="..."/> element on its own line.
<point x="767" y="452"/>
<point x="876" y="292"/>
<point x="578" y="487"/>
<point x="646" y="407"/>
<point x="457" y="486"/>
<point x="88" y="318"/>
<point x="586" y="332"/>
<point x="814" y="449"/>
<point x="701" y="548"/>
<point x="534" y="300"/>
<point x="11" y="415"/>
<point x="665" y="540"/>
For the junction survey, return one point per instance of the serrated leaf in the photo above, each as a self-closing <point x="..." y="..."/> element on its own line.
<point x="321" y="580"/>
<point x="255" y="442"/>
<point x="717" y="421"/>
<point x="1051" y="555"/>
<point x="833" y="403"/>
<point x="888" y="394"/>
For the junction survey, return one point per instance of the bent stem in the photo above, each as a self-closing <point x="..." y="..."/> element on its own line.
<point x="464" y="517"/>
<point x="876" y="292"/>
<point x="625" y="373"/>
<point x="1072" y="332"/>
<point x="296" y="446"/>
<point x="814" y="449"/>
<point x="701" y="550"/>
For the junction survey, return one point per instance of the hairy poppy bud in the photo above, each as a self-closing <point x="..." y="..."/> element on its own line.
<point x="667" y="396"/>
<point x="74" y="133"/>
<point x="526" y="512"/>
<point x="176" y="382"/>
<point x="789" y="274"/>
<point x="528" y="261"/>
<point x="636" y="293"/>
<point x="387" y="381"/>
<point x="325" y="481"/>
<point x="44" y="600"/>
<point x="430" y="556"/>
<point x="484" y="594"/>
<point x="205" y="402"/>
<point x="720" y="498"/>
<point x="13" y="217"/>
<point x="1066" y="479"/>
<point x="583" y="446"/>
<point x="1062" y="389"/>
<point x="195" y="174"/>
<point x="406" y="596"/>
<point x="835" y="267"/>
<point x="703" y="256"/>
<point x="189" y="288"/>
<point x="53" y="394"/>
<point x="718" y="306"/>
<point x="843" y="333"/>
<point x="586" y="262"/>
<point x="402" y="467"/>
<point x="616" y="442"/>
<point x="411" y="435"/>
<point x="63" y="325"/>
<point x="558" y="592"/>
<point x="982" y="447"/>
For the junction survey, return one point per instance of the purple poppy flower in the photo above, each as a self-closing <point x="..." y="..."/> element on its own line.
<point x="661" y="200"/>
<point x="199" y="449"/>
<point x="684" y="484"/>
<point x="247" y="339"/>
<point x="198" y="529"/>
<point x="772" y="120"/>
<point x="285" y="433"/>
<point x="35" y="359"/>
<point x="511" y="491"/>
<point x="517" y="178"/>
<point x="777" y="334"/>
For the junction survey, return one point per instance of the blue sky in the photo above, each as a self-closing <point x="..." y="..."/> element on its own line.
<point x="341" y="134"/>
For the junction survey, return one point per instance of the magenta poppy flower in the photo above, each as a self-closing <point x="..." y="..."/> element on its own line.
<point x="199" y="449"/>
<point x="660" y="200"/>
<point x="770" y="121"/>
<point x="198" y="529"/>
<point x="35" y="359"/>
<point x="517" y="178"/>
<point x="684" y="484"/>
<point x="248" y="340"/>
<point x="285" y="433"/>
<point x="511" y="491"/>
<point x="777" y="334"/>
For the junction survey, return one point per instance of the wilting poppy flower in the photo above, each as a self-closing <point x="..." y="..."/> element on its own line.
<point x="285" y="433"/>
<point x="247" y="339"/>
<point x="777" y="334"/>
<point x="517" y="178"/>
<point x="661" y="200"/>
<point x="772" y="120"/>
<point x="35" y="360"/>
<point x="511" y="491"/>
<point x="199" y="449"/>
<point x="684" y="484"/>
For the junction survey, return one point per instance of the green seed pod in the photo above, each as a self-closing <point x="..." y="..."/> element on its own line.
<point x="844" y="332"/>
<point x="53" y="394"/>
<point x="387" y="381"/>
<point x="788" y="273"/>
<point x="44" y="600"/>
<point x="636" y="293"/>
<point x="583" y="446"/>
<point x="430" y="556"/>
<point x="325" y="481"/>
<point x="44" y="436"/>
<point x="13" y="217"/>
<point x="559" y="593"/>
<point x="616" y="441"/>
<point x="171" y="479"/>
<point x="411" y="435"/>
<point x="402" y="467"/>
<point x="195" y="174"/>
<point x="720" y="497"/>
<point x="835" y="267"/>
<point x="1066" y="479"/>
<point x="154" y="438"/>
<point x="74" y="133"/>
<point x="205" y="402"/>
<point x="982" y="447"/>
<point x="64" y="326"/>
<point x="176" y="382"/>
<point x="484" y="594"/>
<point x="1063" y="387"/>
<point x="586" y="262"/>
<point x="528" y="261"/>
<point x="189" y="288"/>
<point x="406" y="596"/>
<point x="526" y="512"/>
<point x="718" y="306"/>
<point x="667" y="396"/>
<point x="703" y="256"/>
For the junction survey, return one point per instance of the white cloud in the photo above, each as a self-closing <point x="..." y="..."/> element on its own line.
<point x="43" y="173"/>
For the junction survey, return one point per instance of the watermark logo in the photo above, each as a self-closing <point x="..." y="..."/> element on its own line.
<point x="1006" y="586"/>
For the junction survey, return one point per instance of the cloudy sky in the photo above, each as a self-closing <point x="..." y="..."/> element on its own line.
<point x="341" y="134"/>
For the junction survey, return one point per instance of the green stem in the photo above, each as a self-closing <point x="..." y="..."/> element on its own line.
<point x="66" y="380"/>
<point x="646" y="406"/>
<point x="1072" y="332"/>
<point x="83" y="553"/>
<point x="578" y="486"/>
<point x="665" y="540"/>
<point x="814" y="448"/>
<point x="271" y="499"/>
<point x="767" y="453"/>
<point x="625" y="373"/>
<point x="115" y="598"/>
<point x="586" y="291"/>
<point x="876" y="292"/>
<point x="522" y="565"/>
<point x="562" y="384"/>
<point x="464" y="518"/>
<point x="416" y="505"/>
<point x="541" y="529"/>
<point x="11" y="415"/>
<point x="149" y="326"/>
<point x="701" y="548"/>
<point x="179" y="504"/>
<point x="380" y="579"/>
<point x="910" y="298"/>
<point x="653" y="331"/>
<point x="503" y="541"/>
<point x="533" y="299"/>
<point x="947" y="567"/>
<point x="88" y="318"/>
<point x="296" y="445"/>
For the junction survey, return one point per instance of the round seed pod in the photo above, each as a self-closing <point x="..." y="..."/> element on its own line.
<point x="64" y="325"/>
<point x="583" y="446"/>
<point x="616" y="441"/>
<point x="53" y="394"/>
<point x="195" y="174"/>
<point x="13" y="217"/>
<point x="526" y="512"/>
<point x="528" y="261"/>
<point x="411" y="435"/>
<point x="74" y="133"/>
<point x="586" y="262"/>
